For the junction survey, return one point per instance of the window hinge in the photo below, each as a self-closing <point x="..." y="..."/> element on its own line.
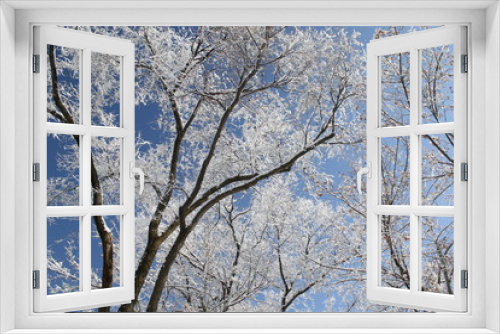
<point x="465" y="63"/>
<point x="464" y="171"/>
<point x="464" y="279"/>
<point x="36" y="172"/>
<point x="36" y="63"/>
<point x="36" y="279"/>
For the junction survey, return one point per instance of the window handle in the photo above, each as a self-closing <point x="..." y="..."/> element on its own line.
<point x="365" y="170"/>
<point x="137" y="171"/>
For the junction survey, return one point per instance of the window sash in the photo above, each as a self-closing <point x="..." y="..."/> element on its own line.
<point x="412" y="43"/>
<point x="86" y="297"/>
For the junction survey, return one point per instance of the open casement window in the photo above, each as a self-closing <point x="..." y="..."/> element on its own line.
<point x="84" y="164"/>
<point x="416" y="142"/>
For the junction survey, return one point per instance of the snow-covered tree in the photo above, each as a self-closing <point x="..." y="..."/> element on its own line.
<point x="240" y="210"/>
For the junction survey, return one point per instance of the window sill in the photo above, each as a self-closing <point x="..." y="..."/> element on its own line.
<point x="251" y="331"/>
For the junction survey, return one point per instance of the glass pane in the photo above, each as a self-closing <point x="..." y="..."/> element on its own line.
<point x="63" y="170"/>
<point x="437" y="254"/>
<point x="63" y="85"/>
<point x="106" y="161"/>
<point x="437" y="84"/>
<point x="105" y="250"/>
<point x="395" y="171"/>
<point x="437" y="169"/>
<point x="105" y="89"/>
<point x="63" y="255"/>
<point x="395" y="89"/>
<point x="395" y="252"/>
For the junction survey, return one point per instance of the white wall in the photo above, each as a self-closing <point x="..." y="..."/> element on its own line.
<point x="7" y="184"/>
<point x="7" y="159"/>
<point x="492" y="164"/>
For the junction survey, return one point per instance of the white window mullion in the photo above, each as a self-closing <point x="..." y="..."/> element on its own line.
<point x="76" y="129"/>
<point x="373" y="184"/>
<point x="433" y="129"/>
<point x="110" y="131"/>
<point x="66" y="129"/>
<point x="421" y="129"/>
<point x="85" y="184"/>
<point x="85" y="253"/>
<point x="414" y="170"/>
<point x="416" y="118"/>
<point x="81" y="253"/>
<point x="423" y="210"/>
<point x="398" y="210"/>
<point x="127" y="231"/>
<point x="81" y="151"/>
<point x="434" y="211"/>
<point x="86" y="119"/>
<point x="392" y="131"/>
<point x="108" y="210"/>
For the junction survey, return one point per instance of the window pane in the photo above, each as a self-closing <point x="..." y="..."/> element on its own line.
<point x="437" y="84"/>
<point x="395" y="89"/>
<point x="395" y="171"/>
<point x="106" y="162"/>
<point x="63" y="255"/>
<point x="63" y="170"/>
<point x="437" y="254"/>
<point x="63" y="85"/>
<point x="105" y="250"/>
<point x="437" y="169"/>
<point x="395" y="252"/>
<point x="105" y="89"/>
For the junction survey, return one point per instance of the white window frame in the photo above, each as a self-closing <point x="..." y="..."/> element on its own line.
<point x="414" y="43"/>
<point x="484" y="102"/>
<point x="85" y="43"/>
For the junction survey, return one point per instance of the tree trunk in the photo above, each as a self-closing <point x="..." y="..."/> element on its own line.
<point x="107" y="258"/>
<point x="142" y="271"/>
<point x="165" y="269"/>
<point x="104" y="234"/>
